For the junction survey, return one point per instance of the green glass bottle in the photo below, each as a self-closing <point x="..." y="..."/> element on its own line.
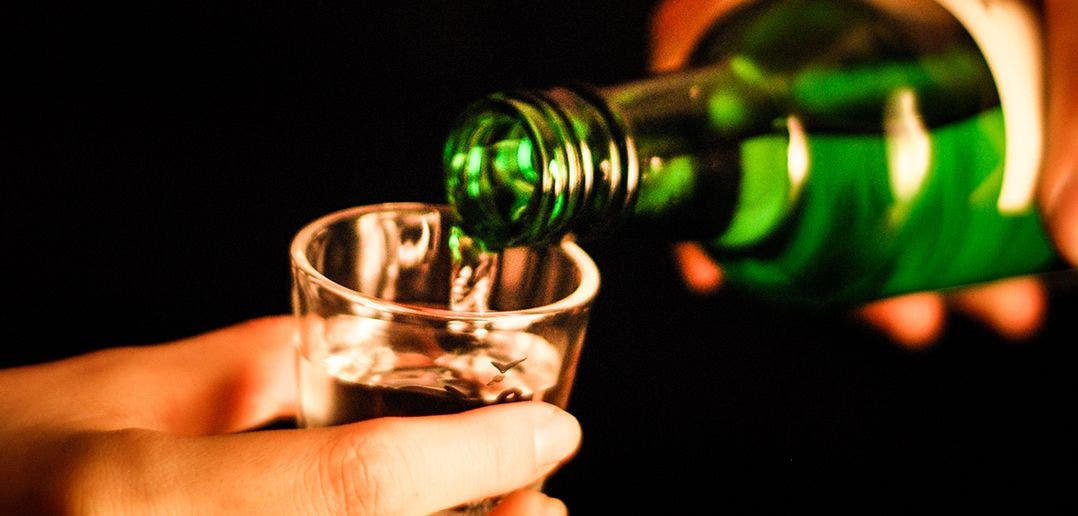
<point x="823" y="151"/>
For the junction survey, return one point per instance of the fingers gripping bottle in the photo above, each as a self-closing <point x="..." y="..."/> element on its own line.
<point x="824" y="152"/>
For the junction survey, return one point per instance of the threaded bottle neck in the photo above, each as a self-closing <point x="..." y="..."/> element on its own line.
<point x="527" y="167"/>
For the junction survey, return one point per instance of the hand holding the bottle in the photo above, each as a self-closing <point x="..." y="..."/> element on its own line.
<point x="161" y="429"/>
<point x="1014" y="307"/>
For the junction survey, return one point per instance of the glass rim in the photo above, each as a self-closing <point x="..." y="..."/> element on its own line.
<point x="579" y="298"/>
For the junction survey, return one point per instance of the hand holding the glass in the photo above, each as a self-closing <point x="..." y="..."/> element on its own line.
<point x="163" y="428"/>
<point x="188" y="426"/>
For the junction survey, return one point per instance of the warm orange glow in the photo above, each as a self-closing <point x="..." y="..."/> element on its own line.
<point x="914" y="321"/>
<point x="700" y="272"/>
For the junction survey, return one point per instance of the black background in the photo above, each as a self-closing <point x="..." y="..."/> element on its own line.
<point x="163" y="154"/>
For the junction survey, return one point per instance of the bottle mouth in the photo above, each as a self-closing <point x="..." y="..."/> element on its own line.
<point x="494" y="166"/>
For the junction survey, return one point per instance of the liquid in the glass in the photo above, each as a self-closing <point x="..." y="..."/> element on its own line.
<point x="368" y="376"/>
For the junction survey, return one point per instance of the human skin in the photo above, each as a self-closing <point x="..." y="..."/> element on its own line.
<point x="165" y="429"/>
<point x="1015" y="307"/>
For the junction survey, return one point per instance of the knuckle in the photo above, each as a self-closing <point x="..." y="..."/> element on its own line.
<point x="354" y="477"/>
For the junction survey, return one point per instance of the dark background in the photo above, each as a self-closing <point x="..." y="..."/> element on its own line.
<point x="161" y="156"/>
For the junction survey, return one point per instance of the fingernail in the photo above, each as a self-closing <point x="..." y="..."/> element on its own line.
<point x="557" y="436"/>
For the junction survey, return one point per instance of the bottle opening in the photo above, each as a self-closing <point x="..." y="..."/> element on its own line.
<point x="492" y="172"/>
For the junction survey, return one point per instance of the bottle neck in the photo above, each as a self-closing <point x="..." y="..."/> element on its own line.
<point x="527" y="167"/>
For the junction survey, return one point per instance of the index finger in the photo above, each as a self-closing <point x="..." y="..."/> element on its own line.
<point x="226" y="380"/>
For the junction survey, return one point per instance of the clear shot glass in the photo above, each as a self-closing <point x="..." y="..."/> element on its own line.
<point x="371" y="292"/>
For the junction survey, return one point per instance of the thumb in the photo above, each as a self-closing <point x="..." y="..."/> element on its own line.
<point x="413" y="465"/>
<point x="420" y="465"/>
